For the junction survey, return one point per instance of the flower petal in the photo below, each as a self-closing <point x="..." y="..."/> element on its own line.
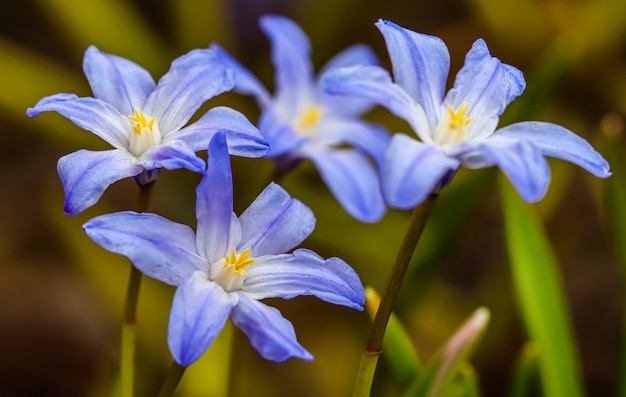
<point x="291" y="59"/>
<point x="374" y="83"/>
<point x="521" y="161"/>
<point x="359" y="54"/>
<point x="89" y="114"/>
<point x="487" y="86"/>
<point x="275" y="223"/>
<point x="412" y="170"/>
<point x="214" y="203"/>
<point x="159" y="248"/>
<point x="192" y="79"/>
<point x="281" y="136"/>
<point x="245" y="82"/>
<point x="171" y="156"/>
<point x="243" y="138"/>
<point x="420" y="65"/>
<point x="269" y="332"/>
<point x="117" y="81"/>
<point x="199" y="312"/>
<point x="353" y="181"/>
<point x="305" y="273"/>
<point x="85" y="175"/>
<point x="556" y="141"/>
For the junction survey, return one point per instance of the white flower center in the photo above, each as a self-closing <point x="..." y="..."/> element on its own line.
<point x="453" y="127"/>
<point x="230" y="271"/>
<point x="306" y="121"/>
<point x="145" y="133"/>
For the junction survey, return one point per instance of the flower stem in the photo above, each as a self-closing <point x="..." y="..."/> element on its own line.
<point x="420" y="215"/>
<point x="174" y="375"/>
<point x="127" y="367"/>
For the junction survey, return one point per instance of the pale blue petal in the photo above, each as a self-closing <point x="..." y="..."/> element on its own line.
<point x="159" y="248"/>
<point x="245" y="82"/>
<point x="412" y="170"/>
<point x="487" y="86"/>
<point x="420" y="65"/>
<point x="281" y="136"/>
<point x="269" y="332"/>
<point x="243" y="138"/>
<point x="116" y="80"/>
<point x="86" y="174"/>
<point x="291" y="58"/>
<point x="192" y="79"/>
<point x="199" y="312"/>
<point x="556" y="141"/>
<point x="89" y="114"/>
<point x="353" y="180"/>
<point x="371" y="139"/>
<point x="305" y="273"/>
<point x="358" y="54"/>
<point x="521" y="161"/>
<point x="374" y="83"/>
<point x="173" y="155"/>
<point x="214" y="203"/>
<point x="275" y="223"/>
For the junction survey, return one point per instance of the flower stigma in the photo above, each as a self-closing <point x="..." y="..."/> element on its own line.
<point x="453" y="128"/>
<point x="145" y="133"/>
<point x="308" y="119"/>
<point x="231" y="270"/>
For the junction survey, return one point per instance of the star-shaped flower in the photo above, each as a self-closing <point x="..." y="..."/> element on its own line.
<point x="457" y="128"/>
<point x="302" y="122"/>
<point x="144" y="122"/>
<point x="230" y="264"/>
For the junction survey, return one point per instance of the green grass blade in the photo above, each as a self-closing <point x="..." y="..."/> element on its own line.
<point x="540" y="295"/>
<point x="526" y="373"/>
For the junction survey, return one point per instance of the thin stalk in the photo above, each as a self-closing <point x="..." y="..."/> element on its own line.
<point x="174" y="375"/>
<point x="129" y="327"/>
<point x="388" y="299"/>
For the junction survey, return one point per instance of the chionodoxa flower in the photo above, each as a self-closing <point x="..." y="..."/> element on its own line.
<point x="145" y="122"/>
<point x="230" y="264"/>
<point x="460" y="127"/>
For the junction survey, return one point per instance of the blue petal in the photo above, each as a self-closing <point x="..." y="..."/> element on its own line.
<point x="374" y="83"/>
<point x="90" y="114"/>
<point x="245" y="82"/>
<point x="173" y="155"/>
<point x="487" y="86"/>
<point x="214" y="203"/>
<point x="159" y="248"/>
<point x="281" y="136"/>
<point x="412" y="170"/>
<point x="199" y="312"/>
<point x="556" y="141"/>
<point x="192" y="80"/>
<point x="85" y="175"/>
<point x="358" y="54"/>
<point x="353" y="181"/>
<point x="420" y="65"/>
<point x="291" y="58"/>
<point x="244" y="139"/>
<point x="305" y="273"/>
<point x="521" y="161"/>
<point x="268" y="331"/>
<point x="275" y="223"/>
<point x="116" y="80"/>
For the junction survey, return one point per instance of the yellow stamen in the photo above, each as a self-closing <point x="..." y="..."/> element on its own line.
<point x="140" y="121"/>
<point x="307" y="119"/>
<point x="458" y="120"/>
<point x="239" y="262"/>
<point x="453" y="128"/>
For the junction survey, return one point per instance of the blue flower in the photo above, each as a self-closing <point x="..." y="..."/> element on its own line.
<point x="302" y="122"/>
<point x="143" y="121"/>
<point x="457" y="128"/>
<point x="230" y="263"/>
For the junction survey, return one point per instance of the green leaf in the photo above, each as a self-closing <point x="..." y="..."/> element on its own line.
<point x="526" y="373"/>
<point x="540" y="295"/>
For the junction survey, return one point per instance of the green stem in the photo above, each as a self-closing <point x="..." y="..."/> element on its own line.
<point x="127" y="367"/>
<point x="174" y="375"/>
<point x="388" y="299"/>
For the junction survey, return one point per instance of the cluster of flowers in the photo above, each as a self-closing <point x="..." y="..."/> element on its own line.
<point x="230" y="263"/>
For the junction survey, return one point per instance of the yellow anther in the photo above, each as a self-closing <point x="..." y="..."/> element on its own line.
<point x="140" y="121"/>
<point x="453" y="128"/>
<point x="458" y="120"/>
<point x="311" y="116"/>
<point x="239" y="262"/>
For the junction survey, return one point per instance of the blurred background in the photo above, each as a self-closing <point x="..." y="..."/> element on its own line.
<point x="61" y="296"/>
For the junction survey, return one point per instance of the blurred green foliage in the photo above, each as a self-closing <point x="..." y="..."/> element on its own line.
<point x="573" y="53"/>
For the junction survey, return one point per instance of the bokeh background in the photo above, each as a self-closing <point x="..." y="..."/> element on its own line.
<point x="61" y="295"/>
